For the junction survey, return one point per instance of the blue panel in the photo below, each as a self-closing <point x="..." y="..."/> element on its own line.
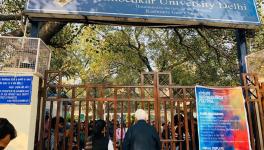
<point x="224" y="11"/>
<point x="15" y="89"/>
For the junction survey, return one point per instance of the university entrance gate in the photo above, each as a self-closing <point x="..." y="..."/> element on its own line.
<point x="171" y="109"/>
<point x="68" y="112"/>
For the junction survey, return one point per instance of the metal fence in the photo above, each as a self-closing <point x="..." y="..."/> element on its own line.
<point x="21" y="54"/>
<point x="70" y="111"/>
<point x="262" y="93"/>
<point x="253" y="98"/>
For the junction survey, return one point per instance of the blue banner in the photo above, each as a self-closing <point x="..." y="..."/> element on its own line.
<point x="15" y="89"/>
<point x="236" y="13"/>
<point x="222" y="122"/>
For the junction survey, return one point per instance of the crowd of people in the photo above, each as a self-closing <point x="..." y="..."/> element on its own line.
<point x="142" y="135"/>
<point x="179" y="132"/>
<point x="101" y="134"/>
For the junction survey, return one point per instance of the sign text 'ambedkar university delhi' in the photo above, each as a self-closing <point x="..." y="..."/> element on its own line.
<point x="222" y="122"/>
<point x="222" y="13"/>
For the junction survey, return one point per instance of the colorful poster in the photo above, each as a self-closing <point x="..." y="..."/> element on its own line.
<point x="222" y="122"/>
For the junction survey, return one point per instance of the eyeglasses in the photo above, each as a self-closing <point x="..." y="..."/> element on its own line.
<point x="2" y="148"/>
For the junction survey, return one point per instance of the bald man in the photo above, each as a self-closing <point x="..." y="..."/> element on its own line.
<point x="141" y="136"/>
<point x="7" y="133"/>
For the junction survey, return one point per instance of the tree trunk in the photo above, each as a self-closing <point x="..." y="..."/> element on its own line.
<point x="49" y="29"/>
<point x="46" y="32"/>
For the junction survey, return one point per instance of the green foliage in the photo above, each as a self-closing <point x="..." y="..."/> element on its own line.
<point x="103" y="54"/>
<point x="9" y="26"/>
<point x="208" y="56"/>
<point x="13" y="6"/>
<point x="10" y="7"/>
<point x="115" y="54"/>
<point x="257" y="42"/>
<point x="256" y="63"/>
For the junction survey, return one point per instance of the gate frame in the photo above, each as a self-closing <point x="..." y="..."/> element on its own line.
<point x="251" y="88"/>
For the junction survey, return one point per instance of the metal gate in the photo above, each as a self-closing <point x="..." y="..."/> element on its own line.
<point x="68" y="112"/>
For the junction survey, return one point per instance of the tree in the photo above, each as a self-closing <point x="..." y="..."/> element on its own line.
<point x="97" y="53"/>
<point x="119" y="54"/>
<point x="12" y="21"/>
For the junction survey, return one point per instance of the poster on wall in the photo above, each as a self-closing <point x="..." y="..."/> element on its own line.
<point x="15" y="90"/>
<point x="227" y="13"/>
<point x="222" y="121"/>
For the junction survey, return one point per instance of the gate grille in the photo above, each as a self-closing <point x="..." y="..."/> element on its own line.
<point x="171" y="110"/>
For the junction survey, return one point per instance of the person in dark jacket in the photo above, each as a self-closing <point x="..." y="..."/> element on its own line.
<point x="141" y="136"/>
<point x="97" y="141"/>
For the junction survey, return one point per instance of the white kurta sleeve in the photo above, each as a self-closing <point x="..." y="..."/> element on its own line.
<point x="110" y="145"/>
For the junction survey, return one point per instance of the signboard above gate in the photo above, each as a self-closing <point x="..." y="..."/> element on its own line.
<point x="220" y="13"/>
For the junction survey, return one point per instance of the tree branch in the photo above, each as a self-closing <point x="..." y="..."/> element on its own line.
<point x="185" y="45"/>
<point x="68" y="41"/>
<point x="49" y="29"/>
<point x="177" y="63"/>
<point x="210" y="45"/>
<point x="144" y="59"/>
